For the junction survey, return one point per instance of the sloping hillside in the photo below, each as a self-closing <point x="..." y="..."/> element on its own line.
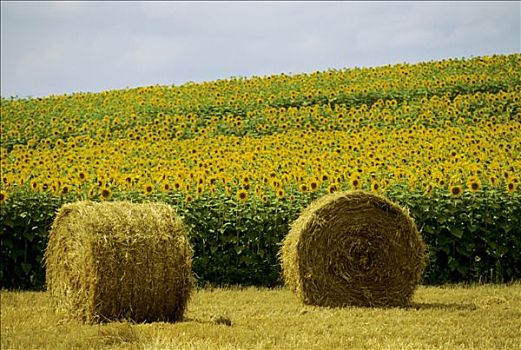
<point x="438" y="133"/>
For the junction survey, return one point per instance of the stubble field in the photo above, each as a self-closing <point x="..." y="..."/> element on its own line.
<point x="448" y="317"/>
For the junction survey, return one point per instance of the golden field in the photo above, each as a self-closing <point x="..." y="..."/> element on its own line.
<point x="443" y="124"/>
<point x="449" y="317"/>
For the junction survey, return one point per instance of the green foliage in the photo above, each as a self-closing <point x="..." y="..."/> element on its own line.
<point x="473" y="238"/>
<point x="237" y="243"/>
<point x="26" y="217"/>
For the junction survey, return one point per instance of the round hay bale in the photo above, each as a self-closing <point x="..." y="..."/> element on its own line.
<point x="353" y="248"/>
<point x="119" y="261"/>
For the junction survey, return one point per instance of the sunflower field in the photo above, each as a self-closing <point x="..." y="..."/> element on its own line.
<point x="240" y="158"/>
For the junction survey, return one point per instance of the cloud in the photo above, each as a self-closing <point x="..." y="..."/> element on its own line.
<point x="43" y="10"/>
<point x="57" y="47"/>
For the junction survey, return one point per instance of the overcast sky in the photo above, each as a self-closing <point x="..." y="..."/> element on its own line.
<point x="65" y="47"/>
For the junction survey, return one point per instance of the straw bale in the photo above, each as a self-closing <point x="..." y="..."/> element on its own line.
<point x="353" y="248"/>
<point x="119" y="261"/>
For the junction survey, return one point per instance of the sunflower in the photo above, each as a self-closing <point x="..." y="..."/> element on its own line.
<point x="65" y="189"/>
<point x="189" y="198"/>
<point x="276" y="184"/>
<point x="494" y="181"/>
<point x="148" y="188"/>
<point x="473" y="184"/>
<point x="456" y="191"/>
<point x="105" y="193"/>
<point x="242" y="195"/>
<point x="429" y="188"/>
<point x="166" y="186"/>
<point x="355" y="183"/>
<point x="280" y="193"/>
<point x="375" y="186"/>
<point x="59" y="143"/>
<point x="512" y="186"/>
<point x="3" y="196"/>
<point x="82" y="176"/>
<point x="333" y="188"/>
<point x="303" y="188"/>
<point x="92" y="191"/>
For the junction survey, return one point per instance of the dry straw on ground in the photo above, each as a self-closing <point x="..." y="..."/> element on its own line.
<point x="119" y="260"/>
<point x="353" y="248"/>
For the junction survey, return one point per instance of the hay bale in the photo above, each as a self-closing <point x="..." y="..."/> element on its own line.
<point x="119" y="261"/>
<point x="353" y="248"/>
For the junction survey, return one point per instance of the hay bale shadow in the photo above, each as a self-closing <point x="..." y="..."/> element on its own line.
<point x="443" y="306"/>
<point x="215" y="320"/>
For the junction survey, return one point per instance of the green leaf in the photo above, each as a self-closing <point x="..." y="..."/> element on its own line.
<point x="29" y="236"/>
<point x="453" y="264"/>
<point x="456" y="232"/>
<point x="26" y="267"/>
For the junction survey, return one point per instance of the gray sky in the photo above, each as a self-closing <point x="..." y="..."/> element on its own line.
<point x="65" y="47"/>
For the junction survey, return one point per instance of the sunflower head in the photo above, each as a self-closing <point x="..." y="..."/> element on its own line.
<point x="429" y="188"/>
<point x="65" y="189"/>
<point x="512" y="186"/>
<point x="105" y="193"/>
<point x="473" y="184"/>
<point x="148" y="188"/>
<point x="333" y="188"/>
<point x="242" y="195"/>
<point x="355" y="183"/>
<point x="456" y="191"/>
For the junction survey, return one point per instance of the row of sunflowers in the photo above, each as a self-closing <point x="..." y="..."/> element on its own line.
<point x="462" y="133"/>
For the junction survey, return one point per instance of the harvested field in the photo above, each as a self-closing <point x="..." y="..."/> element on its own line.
<point x="452" y="317"/>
